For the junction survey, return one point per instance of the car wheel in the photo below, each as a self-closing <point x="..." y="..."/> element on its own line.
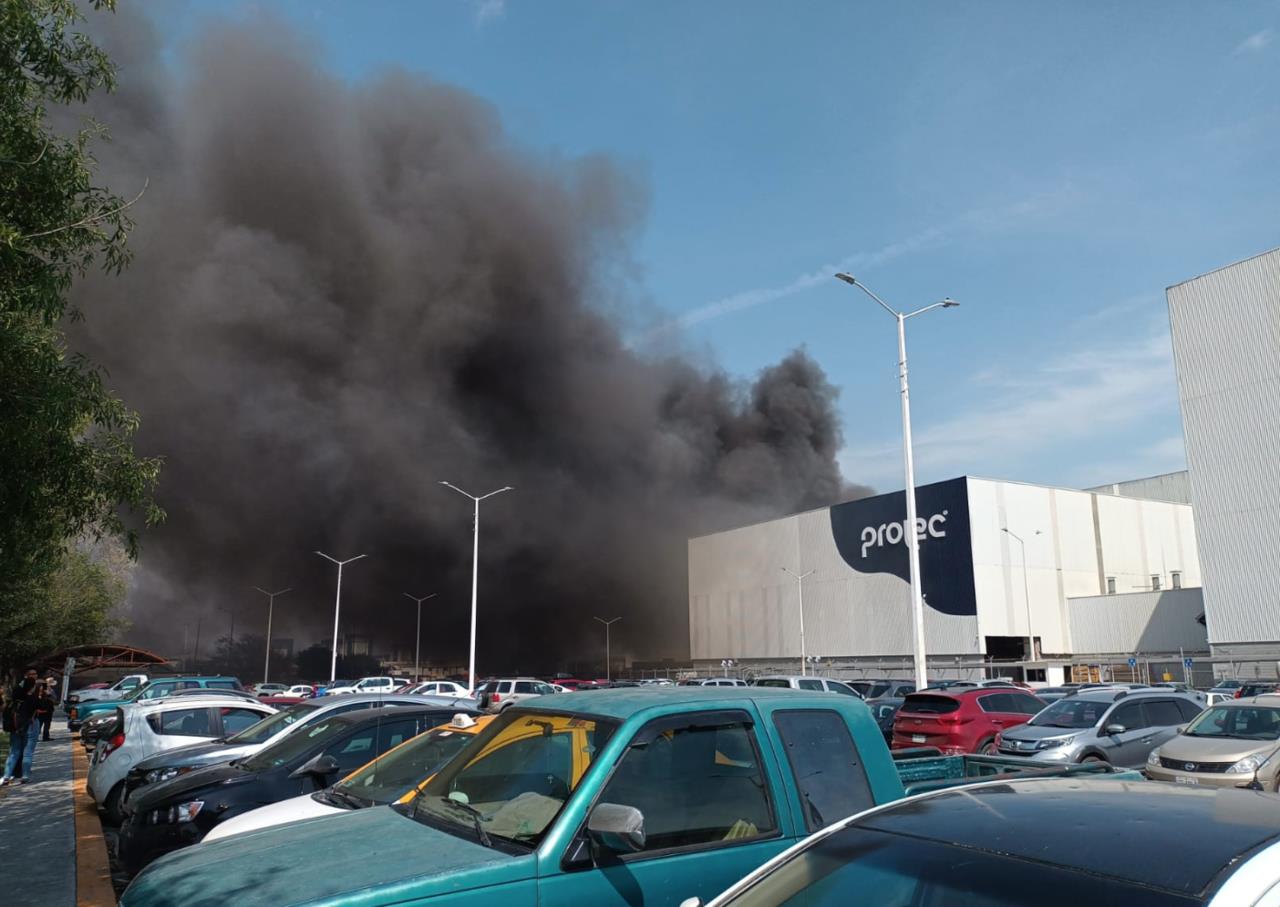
<point x="988" y="747"/>
<point x="111" y="806"/>
<point x="1092" y="759"/>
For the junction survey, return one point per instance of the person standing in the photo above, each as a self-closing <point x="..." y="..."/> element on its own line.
<point x="45" y="704"/>
<point x="18" y="714"/>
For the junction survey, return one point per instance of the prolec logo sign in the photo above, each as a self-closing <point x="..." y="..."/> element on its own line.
<point x="871" y="536"/>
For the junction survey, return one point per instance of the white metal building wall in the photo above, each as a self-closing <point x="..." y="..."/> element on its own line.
<point x="743" y="606"/>
<point x="1171" y="486"/>
<point x="1226" y="344"/>
<point x="1139" y="622"/>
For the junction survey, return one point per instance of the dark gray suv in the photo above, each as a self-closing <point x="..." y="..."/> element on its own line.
<point x="1117" y="726"/>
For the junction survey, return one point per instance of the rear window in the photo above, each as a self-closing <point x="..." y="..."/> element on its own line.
<point x="926" y="704"/>
<point x="192" y="722"/>
<point x="774" y="682"/>
<point x="878" y="690"/>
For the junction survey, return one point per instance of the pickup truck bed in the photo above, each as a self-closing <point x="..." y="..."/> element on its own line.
<point x="927" y="769"/>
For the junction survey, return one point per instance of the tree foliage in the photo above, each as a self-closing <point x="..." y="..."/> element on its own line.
<point x="71" y="606"/>
<point x="67" y="465"/>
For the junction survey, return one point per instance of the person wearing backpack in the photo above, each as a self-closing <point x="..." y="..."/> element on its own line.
<point x="19" y="713"/>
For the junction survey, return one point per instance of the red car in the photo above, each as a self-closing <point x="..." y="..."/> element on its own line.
<point x="961" y="721"/>
<point x="571" y="683"/>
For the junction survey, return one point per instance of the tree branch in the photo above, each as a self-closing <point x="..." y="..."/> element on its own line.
<point x="94" y="218"/>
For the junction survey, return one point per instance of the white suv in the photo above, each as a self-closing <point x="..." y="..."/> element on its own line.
<point x="144" y="729"/>
<point x="496" y="695"/>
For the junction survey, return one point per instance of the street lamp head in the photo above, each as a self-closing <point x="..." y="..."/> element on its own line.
<point x="949" y="303"/>
<point x="847" y="278"/>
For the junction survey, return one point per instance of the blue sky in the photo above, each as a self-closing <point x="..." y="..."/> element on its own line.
<point x="1053" y="168"/>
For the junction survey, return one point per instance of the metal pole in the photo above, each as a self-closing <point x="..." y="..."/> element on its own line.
<point x="417" y="647"/>
<point x="913" y="539"/>
<point x="271" y="605"/>
<point x="475" y="568"/>
<point x="799" y="578"/>
<point x="912" y="535"/>
<point x="608" y="664"/>
<point x="337" y="608"/>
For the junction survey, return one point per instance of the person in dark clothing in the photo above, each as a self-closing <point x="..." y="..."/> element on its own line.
<point x="45" y="704"/>
<point x="19" y="712"/>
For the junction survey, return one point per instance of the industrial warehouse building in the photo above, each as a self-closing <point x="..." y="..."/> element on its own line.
<point x="1226" y="344"/>
<point x="982" y="601"/>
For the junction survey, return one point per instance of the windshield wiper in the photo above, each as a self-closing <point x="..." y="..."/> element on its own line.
<point x="339" y="797"/>
<point x="476" y="816"/>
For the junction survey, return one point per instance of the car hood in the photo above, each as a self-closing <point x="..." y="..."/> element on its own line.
<point x="315" y="861"/>
<point x="179" y="788"/>
<point x="199" y="754"/>
<point x="1213" y="749"/>
<point x="1040" y="732"/>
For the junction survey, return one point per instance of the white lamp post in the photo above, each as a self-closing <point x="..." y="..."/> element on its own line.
<point x="475" y="569"/>
<point x="417" y="645"/>
<point x="337" y="607"/>
<point x="271" y="607"/>
<point x="913" y="539"/>
<point x="799" y="577"/>
<point x="608" y="665"/>
<point x="1026" y="591"/>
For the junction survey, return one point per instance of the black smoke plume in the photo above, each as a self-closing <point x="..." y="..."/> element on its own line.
<point x="343" y="294"/>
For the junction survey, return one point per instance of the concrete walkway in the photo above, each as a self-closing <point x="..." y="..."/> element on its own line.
<point x="38" y="829"/>
<point x="52" y="852"/>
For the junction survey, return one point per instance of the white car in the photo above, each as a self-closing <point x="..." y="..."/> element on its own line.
<point x="144" y="729"/>
<point x="496" y="695"/>
<point x="439" y="688"/>
<point x="303" y="690"/>
<point x="367" y="685"/>
<point x="376" y="783"/>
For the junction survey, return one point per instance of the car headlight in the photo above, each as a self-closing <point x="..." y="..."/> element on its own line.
<point x="1153" y="757"/>
<point x="183" y="812"/>
<point x="161" y="774"/>
<point x="1248" y="765"/>
<point x="1050" y="742"/>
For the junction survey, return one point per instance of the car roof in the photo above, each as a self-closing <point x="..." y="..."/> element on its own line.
<point x="957" y="693"/>
<point x="188" y="702"/>
<point x="361" y="716"/>
<point x="622" y="703"/>
<point x="1133" y="826"/>
<point x="1271" y="700"/>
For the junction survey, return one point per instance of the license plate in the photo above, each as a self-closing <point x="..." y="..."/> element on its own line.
<point x="918" y="738"/>
<point x="1182" y="779"/>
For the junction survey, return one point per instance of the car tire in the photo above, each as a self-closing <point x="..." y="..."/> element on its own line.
<point x="988" y="747"/>
<point x="1091" y="759"/>
<point x="111" y="806"/>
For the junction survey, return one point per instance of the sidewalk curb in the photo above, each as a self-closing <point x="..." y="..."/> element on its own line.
<point x="93" y="867"/>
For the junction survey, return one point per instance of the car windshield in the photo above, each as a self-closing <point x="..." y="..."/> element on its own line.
<point x="291" y="746"/>
<point x="390" y="777"/>
<point x="271" y="725"/>
<point x="1241" y="722"/>
<point x="514" y="777"/>
<point x="1071" y="713"/>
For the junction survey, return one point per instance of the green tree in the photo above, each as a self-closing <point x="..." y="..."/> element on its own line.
<point x="67" y="466"/>
<point x="73" y="605"/>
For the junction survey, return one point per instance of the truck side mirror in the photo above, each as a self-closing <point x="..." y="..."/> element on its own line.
<point x="616" y="828"/>
<point x="320" y="767"/>
<point x="1113" y="729"/>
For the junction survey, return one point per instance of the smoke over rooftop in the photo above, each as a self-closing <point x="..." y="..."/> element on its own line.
<point x="344" y="293"/>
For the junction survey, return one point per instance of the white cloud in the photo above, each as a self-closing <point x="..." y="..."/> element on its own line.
<point x="1088" y="393"/>
<point x="489" y="10"/>
<point x="977" y="221"/>
<point x="1256" y="42"/>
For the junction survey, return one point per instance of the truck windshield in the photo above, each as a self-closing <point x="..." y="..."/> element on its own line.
<point x="514" y="777"/>
<point x="271" y="725"/>
<point x="1237" y="722"/>
<point x="1071" y="713"/>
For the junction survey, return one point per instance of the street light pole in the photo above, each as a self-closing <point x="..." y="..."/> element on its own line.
<point x="799" y="577"/>
<point x="608" y="664"/>
<point x="1026" y="591"/>
<point x="271" y="607"/>
<point x="912" y="534"/>
<point x="417" y="646"/>
<point x="337" y="607"/>
<point x="475" y="569"/>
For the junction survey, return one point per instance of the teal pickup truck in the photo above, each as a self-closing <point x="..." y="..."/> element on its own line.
<point x="602" y="798"/>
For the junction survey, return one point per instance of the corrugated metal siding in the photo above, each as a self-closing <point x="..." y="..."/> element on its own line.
<point x="1172" y="486"/>
<point x="1139" y="622"/>
<point x="1226" y="342"/>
